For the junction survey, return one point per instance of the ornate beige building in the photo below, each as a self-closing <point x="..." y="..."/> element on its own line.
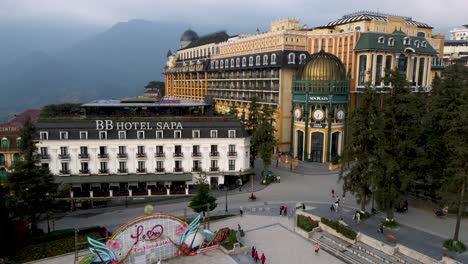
<point x="235" y="69"/>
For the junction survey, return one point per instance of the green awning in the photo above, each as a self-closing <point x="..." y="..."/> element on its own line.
<point x="123" y="178"/>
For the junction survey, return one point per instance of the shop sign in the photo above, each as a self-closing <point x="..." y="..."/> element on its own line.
<point x="110" y="125"/>
<point x="320" y="98"/>
<point x="318" y="125"/>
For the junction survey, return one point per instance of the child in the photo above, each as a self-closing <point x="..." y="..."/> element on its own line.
<point x="316" y="248"/>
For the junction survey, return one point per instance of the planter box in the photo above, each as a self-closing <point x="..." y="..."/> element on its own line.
<point x="332" y="231"/>
<point x="238" y="249"/>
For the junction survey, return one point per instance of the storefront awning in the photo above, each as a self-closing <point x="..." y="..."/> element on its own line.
<point x="78" y="180"/>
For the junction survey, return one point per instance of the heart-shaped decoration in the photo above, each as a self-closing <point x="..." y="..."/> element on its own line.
<point x="155" y="232"/>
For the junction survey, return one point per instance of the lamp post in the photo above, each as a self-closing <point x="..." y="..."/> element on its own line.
<point x="226" y="208"/>
<point x="47" y="215"/>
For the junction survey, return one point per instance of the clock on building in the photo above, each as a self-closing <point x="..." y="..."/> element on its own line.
<point x="340" y="115"/>
<point x="318" y="114"/>
<point x="298" y="113"/>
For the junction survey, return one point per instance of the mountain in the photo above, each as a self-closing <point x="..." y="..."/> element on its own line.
<point x="113" y="64"/>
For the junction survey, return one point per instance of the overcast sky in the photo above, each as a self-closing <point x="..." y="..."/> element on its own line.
<point x="226" y="14"/>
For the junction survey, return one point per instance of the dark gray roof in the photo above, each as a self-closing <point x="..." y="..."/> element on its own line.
<point x="369" y="15"/>
<point x="456" y="43"/>
<point x="370" y="41"/>
<point x="215" y="37"/>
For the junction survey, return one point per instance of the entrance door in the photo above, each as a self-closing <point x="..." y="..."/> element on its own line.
<point x="300" y="144"/>
<point x="316" y="147"/>
<point x="335" y="143"/>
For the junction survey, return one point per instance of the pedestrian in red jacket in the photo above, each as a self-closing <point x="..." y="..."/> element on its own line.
<point x="256" y="256"/>
<point x="263" y="258"/>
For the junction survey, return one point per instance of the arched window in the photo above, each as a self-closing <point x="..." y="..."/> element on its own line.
<point x="250" y="61"/>
<point x="232" y="63"/>
<point x="16" y="158"/>
<point x="237" y="62"/>
<point x="421" y="71"/>
<point x="406" y="41"/>
<point x="302" y="58"/>
<point x="291" y="58"/>
<point x="244" y="62"/>
<point x="416" y="43"/>
<point x="391" y="41"/>
<point x="378" y="70"/>
<point x="4" y="144"/>
<point x="257" y="60"/>
<point x="2" y="160"/>
<point x="358" y="28"/>
<point x="424" y="44"/>
<point x="226" y="62"/>
<point x="18" y="142"/>
<point x="221" y="64"/>
<point x="217" y="64"/>
<point x="265" y="59"/>
<point x="421" y="34"/>
<point x="402" y="65"/>
<point x="388" y="65"/>
<point x="212" y="65"/>
<point x="381" y="40"/>
<point x="362" y="69"/>
<point x="273" y="58"/>
<point x="341" y="30"/>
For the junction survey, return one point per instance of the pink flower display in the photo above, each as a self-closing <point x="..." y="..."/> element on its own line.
<point x="113" y="244"/>
<point x="181" y="228"/>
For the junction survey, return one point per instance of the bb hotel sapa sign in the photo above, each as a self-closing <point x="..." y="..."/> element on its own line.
<point x="111" y="125"/>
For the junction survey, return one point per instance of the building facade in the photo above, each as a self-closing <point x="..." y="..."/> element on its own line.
<point x="459" y="33"/>
<point x="234" y="69"/>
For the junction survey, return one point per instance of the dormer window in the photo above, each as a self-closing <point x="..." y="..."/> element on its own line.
<point x="250" y="61"/>
<point x="63" y="135"/>
<point x="221" y="64"/>
<point x="273" y="58"/>
<point x="217" y="64"/>
<point x="237" y="62"/>
<point x="358" y="28"/>
<point x="391" y="42"/>
<point x="381" y="40"/>
<point x="265" y="59"/>
<point x="341" y="30"/>
<point x="232" y="63"/>
<point x="416" y="43"/>
<point x="257" y="60"/>
<point x="212" y="64"/>
<point x="291" y="58"/>
<point x="424" y="44"/>
<point x="406" y="41"/>
<point x="226" y="62"/>
<point x="244" y="62"/>
<point x="302" y="58"/>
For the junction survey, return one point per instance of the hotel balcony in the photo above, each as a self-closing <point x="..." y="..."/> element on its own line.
<point x="159" y="155"/>
<point x="43" y="157"/>
<point x="84" y="171"/>
<point x="214" y="154"/>
<point x="214" y="169"/>
<point x="64" y="172"/>
<point x="122" y="155"/>
<point x="122" y="171"/>
<point x="141" y="170"/>
<point x="178" y="170"/>
<point x="232" y="154"/>
<point x="103" y="171"/>
<point x="196" y="169"/>
<point x="160" y="170"/>
<point x="178" y="154"/>
<point x="64" y="156"/>
<point x="196" y="154"/>
<point x="141" y="155"/>
<point x="83" y="156"/>
<point x="103" y="156"/>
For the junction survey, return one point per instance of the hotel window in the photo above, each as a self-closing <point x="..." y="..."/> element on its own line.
<point x="63" y="151"/>
<point x="232" y="148"/>
<point x="212" y="65"/>
<point x="196" y="133"/>
<point x="232" y="63"/>
<point x="4" y="144"/>
<point x="196" y="149"/>
<point x="84" y="167"/>
<point x="302" y="58"/>
<point x="257" y="60"/>
<point x="232" y="165"/>
<point x="197" y="165"/>
<point x="141" y="134"/>
<point x="213" y="133"/>
<point x="291" y="58"/>
<point x="64" y="168"/>
<point x="63" y="135"/>
<point x="232" y="133"/>
<point x="251" y="61"/>
<point x="244" y="62"/>
<point x="221" y="64"/>
<point x="391" y="42"/>
<point x="44" y="135"/>
<point x="177" y="134"/>
<point x="122" y="150"/>
<point x="159" y="149"/>
<point x="122" y="135"/>
<point x="237" y="62"/>
<point x="141" y="165"/>
<point x="421" y="71"/>
<point x="102" y="151"/>
<point x="265" y="59"/>
<point x="122" y="166"/>
<point x="102" y="134"/>
<point x="84" y="151"/>
<point x="103" y="168"/>
<point x="217" y="64"/>
<point x="362" y="69"/>
<point x="83" y="134"/>
<point x="178" y="149"/>
<point x="141" y="150"/>
<point x="214" y="164"/>
<point x="273" y="58"/>
<point x="159" y="164"/>
<point x="406" y="41"/>
<point x="44" y="152"/>
<point x="159" y="134"/>
<point x="378" y="70"/>
<point x="381" y="40"/>
<point x="226" y="62"/>
<point x="178" y="164"/>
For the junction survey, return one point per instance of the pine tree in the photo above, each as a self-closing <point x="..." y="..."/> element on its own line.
<point x="203" y="201"/>
<point x="397" y="150"/>
<point x="33" y="188"/>
<point x="360" y="149"/>
<point x="448" y="110"/>
<point x="264" y="136"/>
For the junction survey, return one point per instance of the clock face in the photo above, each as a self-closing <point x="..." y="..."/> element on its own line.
<point x="297" y="113"/>
<point x="340" y="115"/>
<point x="318" y="114"/>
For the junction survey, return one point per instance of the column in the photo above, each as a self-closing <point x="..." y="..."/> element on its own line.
<point x="91" y="194"/>
<point x="111" y="193"/>
<point x="71" y="194"/>
<point x="186" y="190"/>
<point x="306" y="135"/>
<point x="168" y="191"/>
<point x="149" y="192"/>
<point x="130" y="192"/>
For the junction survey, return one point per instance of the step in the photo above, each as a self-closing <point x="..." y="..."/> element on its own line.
<point x="405" y="259"/>
<point x="347" y="247"/>
<point x="382" y="256"/>
<point x="340" y="253"/>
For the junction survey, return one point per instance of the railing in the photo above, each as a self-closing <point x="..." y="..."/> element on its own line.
<point x="103" y="155"/>
<point x="178" y="169"/>
<point x="196" y="169"/>
<point x="64" y="156"/>
<point x="122" y="155"/>
<point x="141" y="170"/>
<point x="43" y="157"/>
<point x="232" y="153"/>
<point x="214" y="169"/>
<point x="64" y="171"/>
<point x="102" y="171"/>
<point x="84" y="171"/>
<point x="214" y="154"/>
<point x="178" y="154"/>
<point x="159" y="154"/>
<point x="160" y="169"/>
<point x="83" y="156"/>
<point x="196" y="154"/>
<point x="122" y="170"/>
<point x="141" y="155"/>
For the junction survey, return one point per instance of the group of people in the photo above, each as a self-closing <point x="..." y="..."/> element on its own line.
<point x="277" y="179"/>
<point x="284" y="210"/>
<point x="335" y="205"/>
<point x="255" y="256"/>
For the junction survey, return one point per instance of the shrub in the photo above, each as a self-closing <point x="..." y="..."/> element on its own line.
<point x="339" y="228"/>
<point x="306" y="223"/>
<point x="456" y="246"/>
<point x="391" y="223"/>
<point x="231" y="240"/>
<point x="363" y="215"/>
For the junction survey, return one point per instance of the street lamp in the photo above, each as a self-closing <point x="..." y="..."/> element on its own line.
<point x="47" y="215"/>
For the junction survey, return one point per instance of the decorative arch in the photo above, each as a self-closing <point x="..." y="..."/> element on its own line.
<point x="4" y="143"/>
<point x="302" y="58"/>
<point x="317" y="146"/>
<point x="291" y="58"/>
<point x="273" y="58"/>
<point x="265" y="59"/>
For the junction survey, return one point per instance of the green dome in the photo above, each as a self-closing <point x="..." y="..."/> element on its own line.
<point x="322" y="66"/>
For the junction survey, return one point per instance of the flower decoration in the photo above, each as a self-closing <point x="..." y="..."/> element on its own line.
<point x="181" y="229"/>
<point x="113" y="244"/>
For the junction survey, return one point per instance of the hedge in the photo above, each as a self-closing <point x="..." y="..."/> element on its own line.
<point x="456" y="246"/>
<point x="61" y="234"/>
<point x="339" y="228"/>
<point x="306" y="223"/>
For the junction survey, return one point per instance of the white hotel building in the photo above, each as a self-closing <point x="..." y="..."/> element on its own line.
<point x="111" y="155"/>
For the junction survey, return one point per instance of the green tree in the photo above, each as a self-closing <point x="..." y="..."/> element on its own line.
<point x="203" y="201"/>
<point x="397" y="151"/>
<point x="448" y="111"/>
<point x="32" y="187"/>
<point x="360" y="149"/>
<point x="234" y="112"/>
<point x="264" y="136"/>
<point x="251" y="124"/>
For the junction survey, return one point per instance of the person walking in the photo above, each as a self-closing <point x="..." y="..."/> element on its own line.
<point x="256" y="256"/>
<point x="263" y="258"/>
<point x="333" y="193"/>
<point x="316" y="248"/>
<point x="380" y="230"/>
<point x="241" y="211"/>
<point x="253" y="252"/>
<point x="238" y="228"/>
<point x="279" y="179"/>
<point x="159" y="261"/>
<point x="336" y="206"/>
<point x="281" y="210"/>
<point x="286" y="211"/>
